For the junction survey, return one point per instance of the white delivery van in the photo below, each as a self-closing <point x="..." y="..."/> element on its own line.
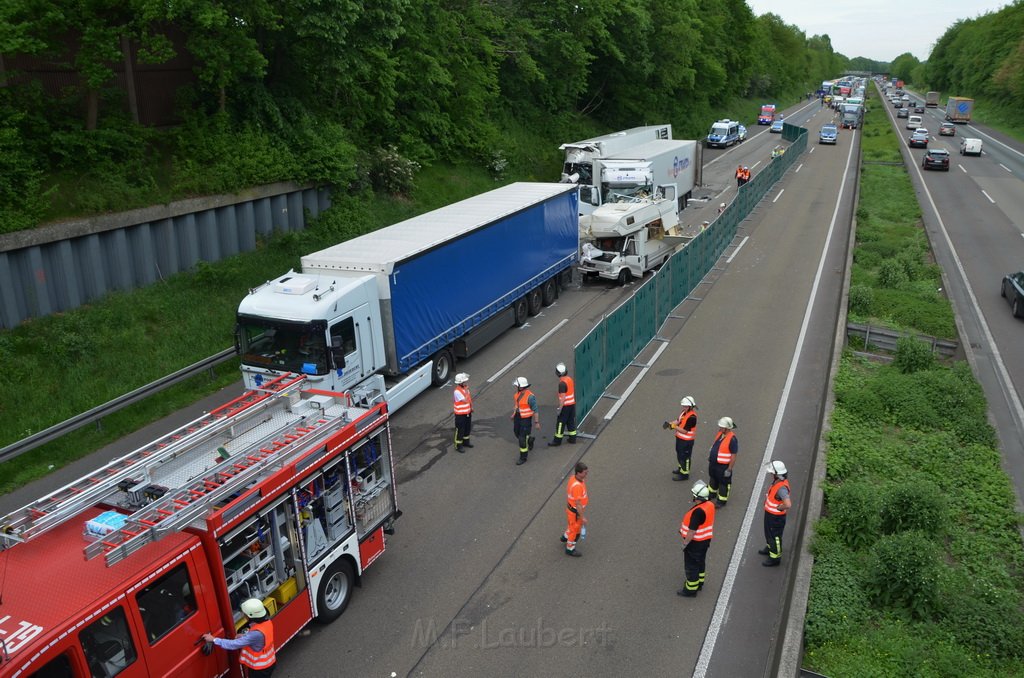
<point x="970" y="146"/>
<point x="914" y="121"/>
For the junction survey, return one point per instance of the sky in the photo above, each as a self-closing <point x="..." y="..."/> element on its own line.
<point x="877" y="29"/>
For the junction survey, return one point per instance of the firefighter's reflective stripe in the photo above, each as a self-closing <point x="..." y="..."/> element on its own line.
<point x="464" y="406"/>
<point x="682" y="433"/>
<point x="771" y="501"/>
<point x="723" y="441"/>
<point x="266" y="657"/>
<point x="705" y="530"/>
<point x="569" y="397"/>
<point x="523" y="404"/>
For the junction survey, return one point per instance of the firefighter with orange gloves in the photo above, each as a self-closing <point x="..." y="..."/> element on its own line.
<point x="776" y="503"/>
<point x="256" y="645"/>
<point x="524" y="417"/>
<point x="696" y="529"/>
<point x="685" y="427"/>
<point x="576" y="504"/>
<point x="721" y="459"/>
<point x="463" y="405"/>
<point x="565" y="423"/>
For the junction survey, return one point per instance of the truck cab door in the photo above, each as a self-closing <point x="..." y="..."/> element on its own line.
<point x="631" y="256"/>
<point x="352" y="349"/>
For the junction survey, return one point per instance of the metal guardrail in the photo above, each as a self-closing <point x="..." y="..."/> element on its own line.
<point x="886" y="339"/>
<point x="95" y="414"/>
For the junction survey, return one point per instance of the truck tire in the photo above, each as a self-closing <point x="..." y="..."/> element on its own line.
<point x="335" y="591"/>
<point x="1016" y="308"/>
<point x="443" y="365"/>
<point x="550" y="292"/>
<point x="521" y="309"/>
<point x="535" y="300"/>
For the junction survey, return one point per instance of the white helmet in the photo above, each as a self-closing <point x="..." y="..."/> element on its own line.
<point x="688" y="401"/>
<point x="520" y="382"/>
<point x="254" y="609"/>
<point x="461" y="378"/>
<point x="560" y="369"/>
<point x="726" y="422"/>
<point x="700" y="490"/>
<point x="776" y="467"/>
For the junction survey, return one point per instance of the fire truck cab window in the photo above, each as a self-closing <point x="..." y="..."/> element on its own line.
<point x="108" y="645"/>
<point x="56" y="668"/>
<point x="166" y="603"/>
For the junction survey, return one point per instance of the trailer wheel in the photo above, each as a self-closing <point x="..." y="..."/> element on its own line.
<point x="335" y="591"/>
<point x="520" y="308"/>
<point x="550" y="292"/>
<point x="442" y="369"/>
<point x="535" y="300"/>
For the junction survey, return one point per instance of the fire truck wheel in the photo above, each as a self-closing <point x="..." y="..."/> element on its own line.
<point x="335" y="591"/>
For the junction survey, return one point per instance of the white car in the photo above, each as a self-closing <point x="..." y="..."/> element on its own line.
<point x="970" y="146"/>
<point x="914" y="121"/>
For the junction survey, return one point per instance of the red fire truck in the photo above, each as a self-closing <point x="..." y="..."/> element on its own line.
<point x="283" y="494"/>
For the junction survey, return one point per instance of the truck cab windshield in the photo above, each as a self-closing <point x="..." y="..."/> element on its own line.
<point x="290" y="347"/>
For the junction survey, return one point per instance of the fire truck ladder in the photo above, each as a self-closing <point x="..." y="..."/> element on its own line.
<point x="182" y="506"/>
<point x="44" y="514"/>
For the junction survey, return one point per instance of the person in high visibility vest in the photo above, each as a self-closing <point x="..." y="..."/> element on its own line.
<point x="463" y="405"/>
<point x="685" y="428"/>
<point x="256" y="645"/>
<point x="524" y="417"/>
<point x="565" y="422"/>
<point x="739" y="176"/>
<point x="576" y="505"/>
<point x="697" y="529"/>
<point x="777" y="503"/>
<point x="721" y="459"/>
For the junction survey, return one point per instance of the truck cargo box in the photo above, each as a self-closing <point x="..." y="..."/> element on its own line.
<point x="442" y="274"/>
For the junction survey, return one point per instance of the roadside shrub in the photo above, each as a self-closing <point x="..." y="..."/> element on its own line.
<point x="837" y="604"/>
<point x="904" y="572"/>
<point x="861" y="299"/>
<point x="913" y="355"/>
<point x="390" y="172"/>
<point x="891" y="274"/>
<point x="853" y="506"/>
<point x="917" y="504"/>
<point x="981" y="616"/>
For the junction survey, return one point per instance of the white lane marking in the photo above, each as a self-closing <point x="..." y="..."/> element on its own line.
<point x="508" y="366"/>
<point x="636" y="380"/>
<point x="778" y="196"/>
<point x="988" y="196"/>
<point x="1006" y="168"/>
<point x="722" y="606"/>
<point x="755" y="164"/>
<point x="812" y="150"/>
<point x="737" y="250"/>
<point x="798" y="168"/>
<point x="962" y="169"/>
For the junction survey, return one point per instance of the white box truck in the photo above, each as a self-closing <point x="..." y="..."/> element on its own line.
<point x="668" y="168"/>
<point x="582" y="158"/>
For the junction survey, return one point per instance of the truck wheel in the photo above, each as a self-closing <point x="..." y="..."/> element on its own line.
<point x="444" y="363"/>
<point x="535" y="300"/>
<point x="625" y="276"/>
<point x="335" y="591"/>
<point x="520" y="308"/>
<point x="550" y="292"/>
<point x="1016" y="308"/>
<point x="565" y="278"/>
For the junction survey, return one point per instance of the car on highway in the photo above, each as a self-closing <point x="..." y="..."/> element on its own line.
<point x="914" y="122"/>
<point x="947" y="129"/>
<point x="829" y="134"/>
<point x="1012" y="290"/>
<point x="741" y="136"/>
<point x="918" y="108"/>
<point x="919" y="139"/>
<point x="970" y="146"/>
<point x="903" y="113"/>
<point x="936" y="158"/>
<point x="776" y="127"/>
